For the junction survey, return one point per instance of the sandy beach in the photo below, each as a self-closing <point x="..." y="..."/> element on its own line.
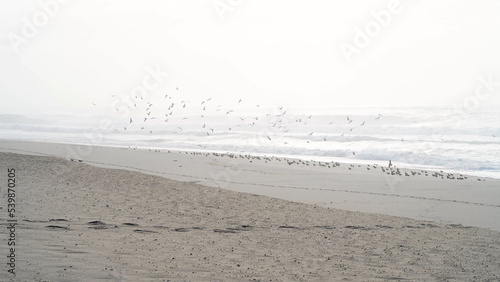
<point x="418" y="194"/>
<point x="78" y="221"/>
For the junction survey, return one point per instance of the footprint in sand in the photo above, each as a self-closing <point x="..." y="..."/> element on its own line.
<point x="56" y="227"/>
<point x="98" y="225"/>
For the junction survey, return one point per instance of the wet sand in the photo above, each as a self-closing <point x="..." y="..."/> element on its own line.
<point x="417" y="194"/>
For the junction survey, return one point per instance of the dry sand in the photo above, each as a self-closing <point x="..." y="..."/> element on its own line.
<point x="81" y="222"/>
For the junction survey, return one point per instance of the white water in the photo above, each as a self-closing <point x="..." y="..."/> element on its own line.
<point x="435" y="137"/>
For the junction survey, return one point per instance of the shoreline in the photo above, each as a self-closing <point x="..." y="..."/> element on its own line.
<point x="78" y="220"/>
<point x="316" y="158"/>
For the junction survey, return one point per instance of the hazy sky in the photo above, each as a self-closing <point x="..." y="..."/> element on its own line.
<point x="66" y="55"/>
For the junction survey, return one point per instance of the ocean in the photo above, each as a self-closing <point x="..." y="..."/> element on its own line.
<point x="423" y="137"/>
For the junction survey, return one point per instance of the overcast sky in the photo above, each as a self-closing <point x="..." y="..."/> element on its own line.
<point x="68" y="55"/>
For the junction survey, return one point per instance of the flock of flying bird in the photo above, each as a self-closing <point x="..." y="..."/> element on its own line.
<point x="170" y="112"/>
<point x="145" y="114"/>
